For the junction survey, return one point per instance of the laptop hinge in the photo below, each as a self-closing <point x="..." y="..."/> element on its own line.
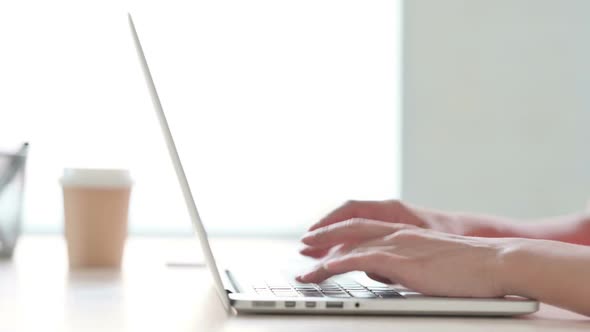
<point x="231" y="286"/>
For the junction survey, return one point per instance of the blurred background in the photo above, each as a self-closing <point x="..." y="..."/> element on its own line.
<point x="496" y="105"/>
<point x="284" y="109"/>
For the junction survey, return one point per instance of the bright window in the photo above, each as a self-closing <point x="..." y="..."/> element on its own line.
<point x="281" y="109"/>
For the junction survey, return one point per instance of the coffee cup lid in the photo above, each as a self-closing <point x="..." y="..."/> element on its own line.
<point x="96" y="178"/>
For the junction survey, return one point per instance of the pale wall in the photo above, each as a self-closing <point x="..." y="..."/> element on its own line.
<point x="497" y="105"/>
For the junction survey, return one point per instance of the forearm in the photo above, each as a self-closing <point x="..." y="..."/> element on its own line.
<point x="552" y="272"/>
<point x="574" y="228"/>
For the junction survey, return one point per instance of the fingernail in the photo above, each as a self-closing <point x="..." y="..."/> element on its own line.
<point x="306" y="237"/>
<point x="328" y="265"/>
<point x="305" y="277"/>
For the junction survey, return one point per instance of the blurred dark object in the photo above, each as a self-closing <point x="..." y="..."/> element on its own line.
<point x="12" y="180"/>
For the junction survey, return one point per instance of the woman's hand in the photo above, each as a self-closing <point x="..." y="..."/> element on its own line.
<point x="427" y="261"/>
<point x="393" y="211"/>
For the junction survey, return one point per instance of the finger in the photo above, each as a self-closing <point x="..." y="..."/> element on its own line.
<point x="375" y="262"/>
<point x="351" y="231"/>
<point x="318" y="274"/>
<point x="390" y="211"/>
<point x="379" y="278"/>
<point x="372" y="262"/>
<point x="314" y="252"/>
<point x="326" y="252"/>
<point x="349" y="210"/>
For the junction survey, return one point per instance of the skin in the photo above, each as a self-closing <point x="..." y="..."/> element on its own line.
<point x="422" y="249"/>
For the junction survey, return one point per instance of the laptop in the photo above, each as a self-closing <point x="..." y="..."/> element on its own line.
<point x="245" y="291"/>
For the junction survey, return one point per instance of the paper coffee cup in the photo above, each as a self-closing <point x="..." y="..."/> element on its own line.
<point x="96" y="204"/>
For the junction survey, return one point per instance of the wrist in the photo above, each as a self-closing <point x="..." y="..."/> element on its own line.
<point x="549" y="271"/>
<point x="513" y="267"/>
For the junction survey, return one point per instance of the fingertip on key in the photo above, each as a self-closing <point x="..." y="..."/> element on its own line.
<point x="305" y="277"/>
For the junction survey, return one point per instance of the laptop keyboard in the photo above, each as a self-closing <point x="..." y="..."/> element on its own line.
<point x="332" y="289"/>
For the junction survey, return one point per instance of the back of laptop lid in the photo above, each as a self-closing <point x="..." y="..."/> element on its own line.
<point x="182" y="180"/>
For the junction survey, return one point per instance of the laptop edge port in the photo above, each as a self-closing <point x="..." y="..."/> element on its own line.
<point x="289" y="304"/>
<point x="263" y="304"/>
<point x="334" y="305"/>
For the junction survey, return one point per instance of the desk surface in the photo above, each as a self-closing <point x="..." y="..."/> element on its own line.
<point x="38" y="293"/>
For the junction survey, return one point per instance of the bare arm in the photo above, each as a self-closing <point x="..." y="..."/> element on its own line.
<point x="574" y="228"/>
<point x="552" y="272"/>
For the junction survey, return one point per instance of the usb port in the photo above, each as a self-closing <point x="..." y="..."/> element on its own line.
<point x="339" y="305"/>
<point x="289" y="304"/>
<point x="310" y="304"/>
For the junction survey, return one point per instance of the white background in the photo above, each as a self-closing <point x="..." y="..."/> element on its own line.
<point x="281" y="109"/>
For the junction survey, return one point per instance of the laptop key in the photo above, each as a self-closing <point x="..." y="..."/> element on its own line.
<point x="360" y="288"/>
<point x="280" y="286"/>
<point x="363" y="295"/>
<point x="338" y="295"/>
<point x="311" y="294"/>
<point x="380" y="288"/>
<point x="286" y="294"/>
<point x="385" y="291"/>
<point x="388" y="295"/>
<point x="363" y="291"/>
<point x="330" y="289"/>
<point x="259" y="285"/>
<point x="334" y="292"/>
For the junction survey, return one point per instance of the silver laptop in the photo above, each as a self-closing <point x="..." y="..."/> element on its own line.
<point x="350" y="294"/>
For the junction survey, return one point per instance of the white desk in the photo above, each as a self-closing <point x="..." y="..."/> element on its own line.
<point x="37" y="293"/>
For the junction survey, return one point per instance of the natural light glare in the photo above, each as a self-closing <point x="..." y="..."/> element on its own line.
<point x="281" y="110"/>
